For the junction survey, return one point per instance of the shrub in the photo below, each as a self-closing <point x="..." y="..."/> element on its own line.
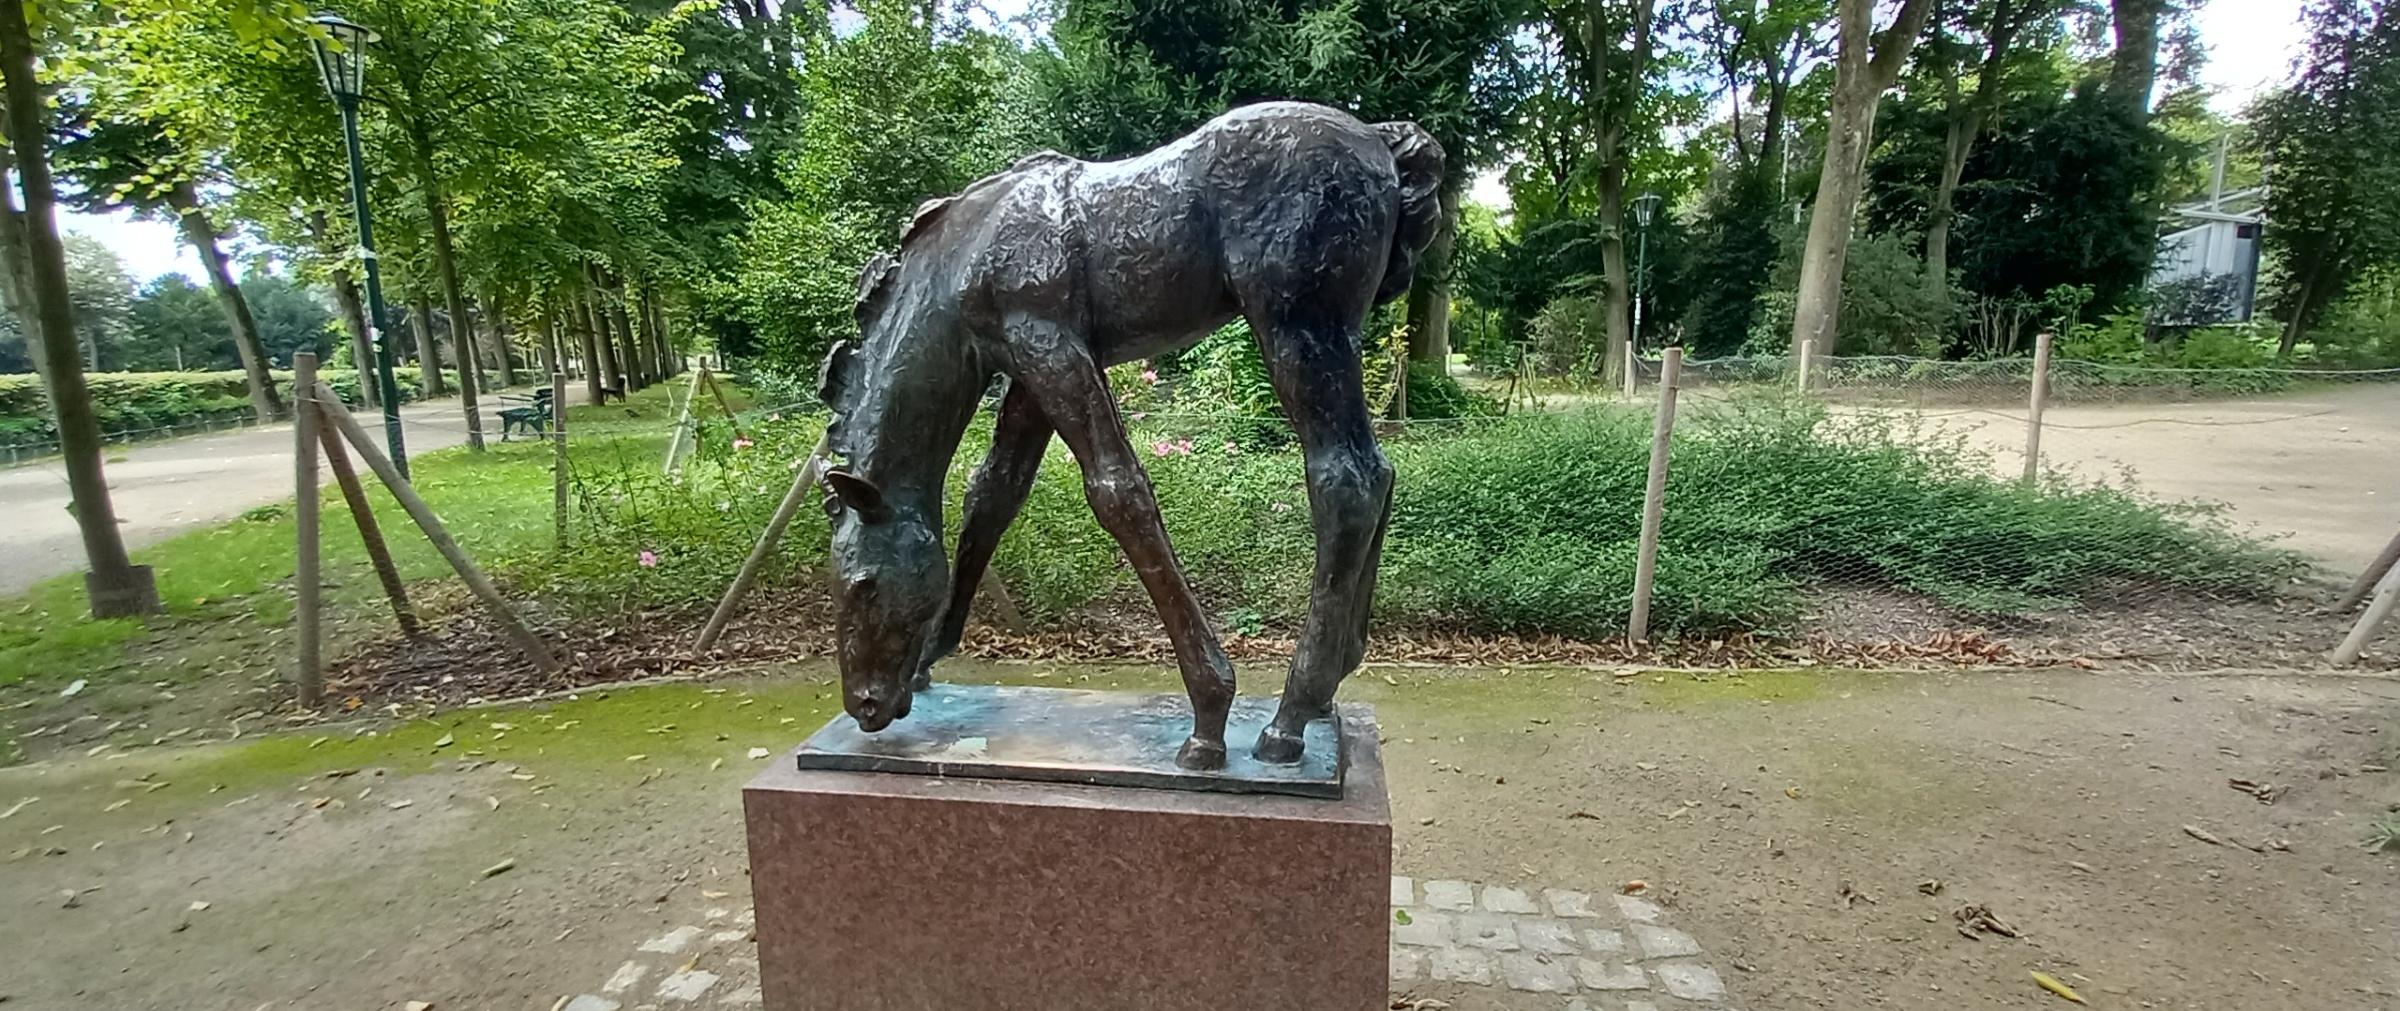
<point x="134" y="402"/>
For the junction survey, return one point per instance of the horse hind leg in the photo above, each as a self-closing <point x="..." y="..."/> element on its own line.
<point x="1315" y="369"/>
<point x="994" y="495"/>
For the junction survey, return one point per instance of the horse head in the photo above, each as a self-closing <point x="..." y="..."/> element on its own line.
<point x="891" y="575"/>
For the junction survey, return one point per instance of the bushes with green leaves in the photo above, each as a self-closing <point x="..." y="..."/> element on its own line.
<point x="135" y="402"/>
<point x="1529" y="525"/>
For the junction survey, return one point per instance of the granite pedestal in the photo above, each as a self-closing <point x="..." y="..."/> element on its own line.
<point x="909" y="890"/>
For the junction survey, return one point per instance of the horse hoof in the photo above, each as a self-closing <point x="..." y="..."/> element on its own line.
<point x="1278" y="748"/>
<point x="922" y="682"/>
<point x="1201" y="756"/>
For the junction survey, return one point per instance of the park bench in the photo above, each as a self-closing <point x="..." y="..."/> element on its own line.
<point x="534" y="418"/>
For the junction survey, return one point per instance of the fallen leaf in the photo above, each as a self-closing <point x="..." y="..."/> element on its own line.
<point x="493" y="801"/>
<point x="2064" y="991"/>
<point x="1636" y="887"/>
<point x="419" y="1005"/>
<point x="1401" y="917"/>
<point x="758" y="753"/>
<point x="500" y="868"/>
<point x="635" y="758"/>
<point x="707" y="894"/>
<point x="446" y="741"/>
<point x="113" y="805"/>
<point x="715" y="763"/>
<point x="2204" y="835"/>
<point x="398" y="804"/>
<point x="73" y="689"/>
<point x="197" y="906"/>
<point x="1792" y="792"/>
<point x="18" y="806"/>
<point x="1931" y="886"/>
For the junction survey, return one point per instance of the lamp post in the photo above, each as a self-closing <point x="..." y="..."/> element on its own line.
<point x="1644" y="207"/>
<point x="342" y="60"/>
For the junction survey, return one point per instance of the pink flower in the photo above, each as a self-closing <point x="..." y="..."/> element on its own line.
<point x="1161" y="448"/>
<point x="648" y="558"/>
<point x="1150" y="376"/>
<point x="742" y="442"/>
<point x="1184" y="447"/>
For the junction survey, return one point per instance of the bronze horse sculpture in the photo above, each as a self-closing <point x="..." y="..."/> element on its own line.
<point x="1295" y="217"/>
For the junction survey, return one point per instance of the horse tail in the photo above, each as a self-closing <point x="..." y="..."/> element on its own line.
<point x="1418" y="158"/>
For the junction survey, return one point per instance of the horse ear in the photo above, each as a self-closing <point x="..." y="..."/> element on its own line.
<point x="860" y="494"/>
<point x="834" y="376"/>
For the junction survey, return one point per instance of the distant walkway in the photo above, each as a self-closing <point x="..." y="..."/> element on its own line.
<point x="161" y="489"/>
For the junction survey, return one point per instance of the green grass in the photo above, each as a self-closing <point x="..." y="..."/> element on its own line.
<point x="226" y="585"/>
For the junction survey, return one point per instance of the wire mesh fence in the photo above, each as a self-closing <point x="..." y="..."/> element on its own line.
<point x="2176" y="521"/>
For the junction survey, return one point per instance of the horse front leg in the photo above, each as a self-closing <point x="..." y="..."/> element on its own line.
<point x="1316" y="373"/>
<point x="1056" y="366"/>
<point x="994" y="495"/>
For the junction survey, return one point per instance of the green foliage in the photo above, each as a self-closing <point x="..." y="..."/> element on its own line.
<point x="2331" y="142"/>
<point x="898" y="112"/>
<point x="1131" y="74"/>
<point x="130" y="402"/>
<point x="1887" y="308"/>
<point x="1729" y="266"/>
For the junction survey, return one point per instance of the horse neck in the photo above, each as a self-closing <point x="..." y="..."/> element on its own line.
<point x="912" y="411"/>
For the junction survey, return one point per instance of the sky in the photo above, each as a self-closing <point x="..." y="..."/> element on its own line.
<point x="2250" y="47"/>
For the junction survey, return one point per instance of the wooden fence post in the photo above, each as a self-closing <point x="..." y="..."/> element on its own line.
<point x="533" y="647"/>
<point x="558" y="459"/>
<point x="683" y="423"/>
<point x="370" y="533"/>
<point x="2366" y="580"/>
<point x="2387" y="595"/>
<point x="1808" y="352"/>
<point x="306" y="577"/>
<point x="1654" y="496"/>
<point x="2039" y="398"/>
<point x="784" y="511"/>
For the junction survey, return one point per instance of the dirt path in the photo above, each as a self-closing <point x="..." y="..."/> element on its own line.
<point x="349" y="872"/>
<point x="165" y="488"/>
<point x="2317" y="468"/>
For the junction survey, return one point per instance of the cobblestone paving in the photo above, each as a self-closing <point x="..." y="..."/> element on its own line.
<point x="1548" y="948"/>
<point x="1559" y="948"/>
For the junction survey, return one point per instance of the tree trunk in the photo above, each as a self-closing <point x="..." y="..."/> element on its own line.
<point x="1956" y="144"/>
<point x="429" y="355"/>
<point x="2302" y="307"/>
<point x="637" y="350"/>
<point x="595" y="367"/>
<point x="654" y="320"/>
<point x="1617" y="303"/>
<point x="596" y="324"/>
<point x="1864" y="68"/>
<point x="495" y="315"/>
<point x="454" y="297"/>
<point x="2133" y="68"/>
<point x="354" y="319"/>
<point x="184" y="197"/>
<point x="1429" y="296"/>
<point x="362" y="350"/>
<point x="114" y="585"/>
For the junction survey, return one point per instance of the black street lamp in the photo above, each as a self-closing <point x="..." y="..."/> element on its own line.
<point x="342" y="59"/>
<point x="1644" y="208"/>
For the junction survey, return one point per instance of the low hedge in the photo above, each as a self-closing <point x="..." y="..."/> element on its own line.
<point x="131" y="402"/>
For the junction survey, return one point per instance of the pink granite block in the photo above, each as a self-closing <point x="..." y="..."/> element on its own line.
<point x="890" y="891"/>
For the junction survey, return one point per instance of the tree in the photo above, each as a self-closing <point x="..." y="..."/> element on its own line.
<point x="36" y="290"/>
<point x="1132" y="74"/>
<point x="2331" y="142"/>
<point x="101" y="294"/>
<point x="1866" y="64"/>
<point x="1607" y="44"/>
<point x="176" y="325"/>
<point x="2001" y="26"/>
<point x="1759" y="48"/>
